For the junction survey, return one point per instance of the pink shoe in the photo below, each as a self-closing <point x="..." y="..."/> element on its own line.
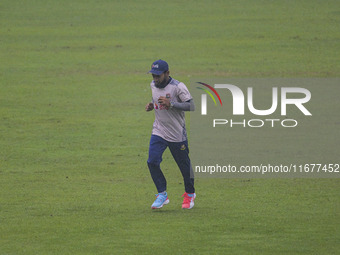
<point x="188" y="201"/>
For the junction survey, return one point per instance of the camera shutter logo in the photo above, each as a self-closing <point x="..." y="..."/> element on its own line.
<point x="204" y="97"/>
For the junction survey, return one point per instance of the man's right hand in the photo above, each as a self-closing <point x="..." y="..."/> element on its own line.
<point x="149" y="107"/>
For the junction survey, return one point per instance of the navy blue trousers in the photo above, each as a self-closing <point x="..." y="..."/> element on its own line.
<point x="180" y="153"/>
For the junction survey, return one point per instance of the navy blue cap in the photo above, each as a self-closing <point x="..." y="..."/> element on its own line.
<point x="158" y="67"/>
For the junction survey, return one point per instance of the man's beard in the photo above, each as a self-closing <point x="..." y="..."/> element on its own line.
<point x="162" y="84"/>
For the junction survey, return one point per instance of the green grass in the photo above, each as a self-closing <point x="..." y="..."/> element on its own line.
<point x="74" y="134"/>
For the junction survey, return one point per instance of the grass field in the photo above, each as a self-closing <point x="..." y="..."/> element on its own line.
<point x="74" y="134"/>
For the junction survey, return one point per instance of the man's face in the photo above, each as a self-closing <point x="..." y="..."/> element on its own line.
<point x="161" y="80"/>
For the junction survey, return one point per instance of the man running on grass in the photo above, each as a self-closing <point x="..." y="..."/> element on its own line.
<point x="170" y="98"/>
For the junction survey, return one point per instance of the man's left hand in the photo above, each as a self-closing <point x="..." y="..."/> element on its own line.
<point x="164" y="101"/>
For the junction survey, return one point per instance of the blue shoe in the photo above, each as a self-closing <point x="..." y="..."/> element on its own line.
<point x="161" y="199"/>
